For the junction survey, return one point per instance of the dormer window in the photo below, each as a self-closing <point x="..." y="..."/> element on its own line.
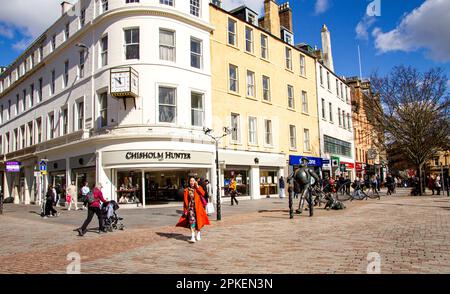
<point x="287" y="37"/>
<point x="252" y="18"/>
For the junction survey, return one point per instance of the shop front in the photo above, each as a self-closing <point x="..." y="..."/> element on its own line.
<point x="256" y="173"/>
<point x="346" y="169"/>
<point x="359" y="169"/>
<point x="143" y="177"/>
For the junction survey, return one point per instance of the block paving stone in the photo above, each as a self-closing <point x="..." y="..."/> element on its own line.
<point x="410" y="234"/>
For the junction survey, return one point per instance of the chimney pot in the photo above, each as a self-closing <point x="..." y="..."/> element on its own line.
<point x="65" y="6"/>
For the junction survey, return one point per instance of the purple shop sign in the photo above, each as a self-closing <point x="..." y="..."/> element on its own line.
<point x="12" y="166"/>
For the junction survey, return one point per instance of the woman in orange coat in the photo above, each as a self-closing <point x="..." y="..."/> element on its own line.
<point x="194" y="216"/>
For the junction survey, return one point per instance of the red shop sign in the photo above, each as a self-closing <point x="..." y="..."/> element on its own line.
<point x="348" y="165"/>
<point x="359" y="166"/>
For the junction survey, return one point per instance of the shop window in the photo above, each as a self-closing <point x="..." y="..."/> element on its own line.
<point x="242" y="181"/>
<point x="268" y="182"/>
<point x="129" y="187"/>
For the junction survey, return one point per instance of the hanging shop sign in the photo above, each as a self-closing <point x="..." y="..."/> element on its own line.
<point x="335" y="161"/>
<point x="12" y="166"/>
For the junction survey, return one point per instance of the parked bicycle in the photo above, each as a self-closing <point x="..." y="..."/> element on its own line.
<point x="359" y="194"/>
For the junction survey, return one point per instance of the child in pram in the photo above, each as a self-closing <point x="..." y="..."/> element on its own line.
<point x="111" y="221"/>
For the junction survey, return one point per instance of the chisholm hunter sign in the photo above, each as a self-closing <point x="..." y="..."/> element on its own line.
<point x="110" y="158"/>
<point x="157" y="155"/>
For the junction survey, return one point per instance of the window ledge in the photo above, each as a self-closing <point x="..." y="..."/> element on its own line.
<point x="234" y="93"/>
<point x="250" y="53"/>
<point x="267" y="102"/>
<point x="252" y="98"/>
<point x="289" y="70"/>
<point x="232" y="46"/>
<point x="305" y="113"/>
<point x="291" y="109"/>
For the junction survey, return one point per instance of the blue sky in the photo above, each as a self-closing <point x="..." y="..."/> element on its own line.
<point x="409" y="32"/>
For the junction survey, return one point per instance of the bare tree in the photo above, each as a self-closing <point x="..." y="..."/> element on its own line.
<point x="412" y="112"/>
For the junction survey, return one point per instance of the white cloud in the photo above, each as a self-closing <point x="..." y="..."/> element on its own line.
<point x="426" y="27"/>
<point x="29" y="18"/>
<point x="362" y="29"/>
<point x="22" y="44"/>
<point x="256" y="5"/>
<point x="6" y="32"/>
<point x="321" y="6"/>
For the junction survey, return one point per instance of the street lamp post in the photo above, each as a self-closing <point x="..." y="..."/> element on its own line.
<point x="208" y="132"/>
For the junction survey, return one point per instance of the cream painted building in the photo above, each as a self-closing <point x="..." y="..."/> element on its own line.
<point x="264" y="88"/>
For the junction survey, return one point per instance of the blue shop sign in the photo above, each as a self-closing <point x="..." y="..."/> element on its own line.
<point x="313" y="161"/>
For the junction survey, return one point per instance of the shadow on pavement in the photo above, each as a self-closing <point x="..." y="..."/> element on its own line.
<point x="172" y="236"/>
<point x="273" y="210"/>
<point x="427" y="206"/>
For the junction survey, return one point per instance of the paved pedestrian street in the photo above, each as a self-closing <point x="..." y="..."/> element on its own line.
<point x="408" y="234"/>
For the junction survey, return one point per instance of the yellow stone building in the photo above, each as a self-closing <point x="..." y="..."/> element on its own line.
<point x="264" y="88"/>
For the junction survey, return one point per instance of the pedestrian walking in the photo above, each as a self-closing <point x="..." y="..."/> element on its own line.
<point x="374" y="183"/>
<point x="72" y="196"/>
<point x="438" y="185"/>
<point x="194" y="215"/>
<point x="282" y="186"/>
<point x="49" y="202"/>
<point x="348" y="183"/>
<point x="378" y="183"/>
<point x="431" y="184"/>
<point x="93" y="199"/>
<point x="210" y="192"/>
<point x="233" y="191"/>
<point x="84" y="192"/>
<point x="296" y="190"/>
<point x="390" y="184"/>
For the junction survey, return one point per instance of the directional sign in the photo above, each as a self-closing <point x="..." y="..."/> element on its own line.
<point x="43" y="166"/>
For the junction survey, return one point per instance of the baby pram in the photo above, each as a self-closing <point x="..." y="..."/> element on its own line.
<point x="111" y="220"/>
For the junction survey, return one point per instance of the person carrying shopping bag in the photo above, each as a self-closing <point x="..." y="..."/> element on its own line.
<point x="194" y="215"/>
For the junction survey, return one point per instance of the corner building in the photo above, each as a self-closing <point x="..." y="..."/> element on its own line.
<point x="115" y="92"/>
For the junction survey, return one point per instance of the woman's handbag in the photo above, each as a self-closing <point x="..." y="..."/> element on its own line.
<point x="210" y="208"/>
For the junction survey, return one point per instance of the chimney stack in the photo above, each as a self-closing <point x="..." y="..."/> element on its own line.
<point x="65" y="6"/>
<point x="326" y="47"/>
<point x="271" y="20"/>
<point x="286" y="16"/>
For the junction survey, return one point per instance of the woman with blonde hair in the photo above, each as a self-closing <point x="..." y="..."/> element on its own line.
<point x="194" y="216"/>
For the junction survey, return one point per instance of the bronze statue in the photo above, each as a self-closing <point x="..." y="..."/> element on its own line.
<point x="305" y="178"/>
